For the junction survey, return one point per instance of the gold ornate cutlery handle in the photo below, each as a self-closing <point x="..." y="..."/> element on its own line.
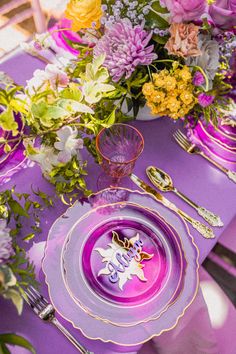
<point x="204" y="230"/>
<point x="209" y="216"/>
<point x="232" y="175"/>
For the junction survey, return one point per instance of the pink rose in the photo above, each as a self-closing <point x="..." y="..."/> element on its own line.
<point x="185" y="10"/>
<point x="223" y="13"/>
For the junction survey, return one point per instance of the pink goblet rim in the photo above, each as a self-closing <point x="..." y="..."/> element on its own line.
<point x="125" y="162"/>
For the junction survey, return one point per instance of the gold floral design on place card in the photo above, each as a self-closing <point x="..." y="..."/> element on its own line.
<point x="124" y="259"/>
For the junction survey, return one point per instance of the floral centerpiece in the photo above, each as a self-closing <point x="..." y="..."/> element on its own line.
<point x="170" y="56"/>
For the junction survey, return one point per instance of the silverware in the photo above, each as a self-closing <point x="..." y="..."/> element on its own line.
<point x="204" y="230"/>
<point x="183" y="141"/>
<point x="46" y="312"/>
<point x="163" y="181"/>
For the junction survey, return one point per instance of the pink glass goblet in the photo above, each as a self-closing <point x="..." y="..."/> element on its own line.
<point x="119" y="147"/>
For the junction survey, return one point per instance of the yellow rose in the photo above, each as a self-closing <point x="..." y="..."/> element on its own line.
<point x="84" y="14"/>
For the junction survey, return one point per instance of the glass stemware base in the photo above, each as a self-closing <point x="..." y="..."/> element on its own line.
<point x="105" y="181"/>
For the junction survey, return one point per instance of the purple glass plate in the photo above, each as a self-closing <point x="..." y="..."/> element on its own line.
<point x="12" y="162"/>
<point x="126" y="266"/>
<point x="92" y="327"/>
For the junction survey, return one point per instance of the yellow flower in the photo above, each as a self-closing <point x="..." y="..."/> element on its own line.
<point x="158" y="96"/>
<point x="148" y="89"/>
<point x="173" y="104"/>
<point x="170" y="83"/>
<point x="185" y="74"/>
<point x="186" y="97"/>
<point x="84" y="14"/>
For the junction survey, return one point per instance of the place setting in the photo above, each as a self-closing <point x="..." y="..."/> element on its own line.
<point x="117" y="176"/>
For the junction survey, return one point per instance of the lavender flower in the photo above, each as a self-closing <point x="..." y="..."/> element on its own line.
<point x="205" y="100"/>
<point x="125" y="48"/>
<point x="6" y="250"/>
<point x="198" y="79"/>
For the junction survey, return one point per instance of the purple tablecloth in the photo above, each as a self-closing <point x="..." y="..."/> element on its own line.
<point x="193" y="175"/>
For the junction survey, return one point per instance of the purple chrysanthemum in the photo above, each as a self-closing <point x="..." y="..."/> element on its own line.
<point x="6" y="250"/>
<point x="125" y="48"/>
<point x="198" y="79"/>
<point x="205" y="100"/>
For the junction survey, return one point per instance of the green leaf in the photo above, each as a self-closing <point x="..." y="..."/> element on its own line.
<point x="7" y="148"/>
<point x="29" y="236"/>
<point x="18" y="106"/>
<point x="158" y="8"/>
<point x="9" y="277"/>
<point x="4" y="349"/>
<point x="15" y="297"/>
<point x="7" y="121"/>
<point x="159" y="39"/>
<point x="55" y="112"/>
<point x="156" y="21"/>
<point x="111" y="119"/>
<point x="74" y="106"/>
<point x="11" y="338"/>
<point x="72" y="93"/>
<point x="17" y="208"/>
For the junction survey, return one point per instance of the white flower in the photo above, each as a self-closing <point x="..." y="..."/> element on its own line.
<point x="5" y="79"/>
<point x="41" y="41"/>
<point x="56" y="76"/>
<point x="52" y="75"/>
<point x="68" y="144"/>
<point x="209" y="59"/>
<point x="6" y="249"/>
<point x="29" y="48"/>
<point x="38" y="80"/>
<point x="46" y="158"/>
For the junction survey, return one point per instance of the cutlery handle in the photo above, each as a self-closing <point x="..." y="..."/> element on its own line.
<point x="204" y="230"/>
<point x="211" y="218"/>
<point x="222" y="168"/>
<point x="69" y="336"/>
<point x="231" y="175"/>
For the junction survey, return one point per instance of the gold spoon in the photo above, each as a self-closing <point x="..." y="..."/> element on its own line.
<point x="163" y="181"/>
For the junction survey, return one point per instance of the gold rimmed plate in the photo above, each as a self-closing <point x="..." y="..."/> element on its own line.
<point x="125" y="236"/>
<point x="126" y="267"/>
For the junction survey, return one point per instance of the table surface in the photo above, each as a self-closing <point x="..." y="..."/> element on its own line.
<point x="194" y="176"/>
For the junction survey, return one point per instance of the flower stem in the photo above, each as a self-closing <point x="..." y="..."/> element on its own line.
<point x="205" y="76"/>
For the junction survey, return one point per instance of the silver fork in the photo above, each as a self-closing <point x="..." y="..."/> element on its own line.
<point x="183" y="141"/>
<point x="44" y="310"/>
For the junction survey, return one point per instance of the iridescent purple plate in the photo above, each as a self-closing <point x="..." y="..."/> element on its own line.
<point x="163" y="240"/>
<point x="11" y="162"/>
<point x="126" y="266"/>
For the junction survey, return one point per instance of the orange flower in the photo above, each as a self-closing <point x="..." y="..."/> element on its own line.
<point x="84" y="14"/>
<point x="184" y="40"/>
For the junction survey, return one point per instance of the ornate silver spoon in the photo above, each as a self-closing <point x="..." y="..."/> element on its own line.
<point x="163" y="181"/>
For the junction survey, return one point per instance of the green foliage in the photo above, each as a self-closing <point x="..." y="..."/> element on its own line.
<point x="16" y="340"/>
<point x="69" y="178"/>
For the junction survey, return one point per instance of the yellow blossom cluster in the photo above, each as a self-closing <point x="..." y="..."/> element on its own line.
<point x="170" y="92"/>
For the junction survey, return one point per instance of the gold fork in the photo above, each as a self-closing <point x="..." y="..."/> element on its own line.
<point x="183" y="141"/>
